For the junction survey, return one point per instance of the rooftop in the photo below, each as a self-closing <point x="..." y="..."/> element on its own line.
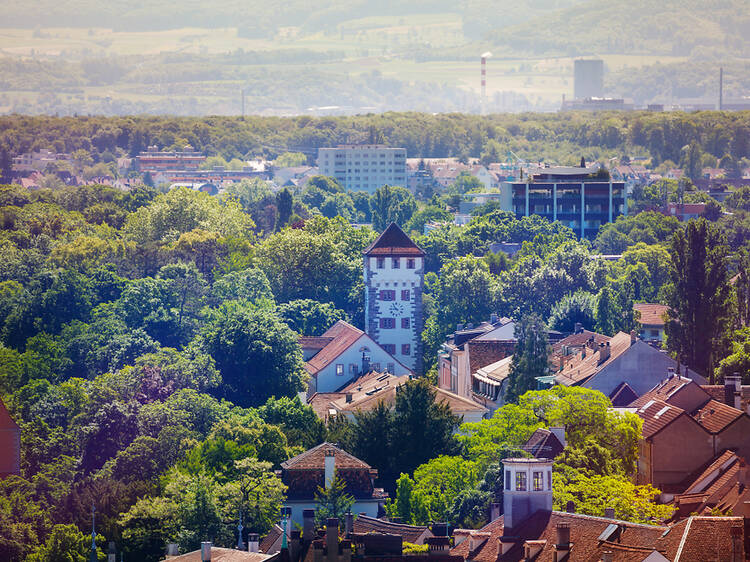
<point x="651" y="314"/>
<point x="314" y="459"/>
<point x="340" y="337"/>
<point x="414" y="534"/>
<point x="393" y="241"/>
<point x="587" y="363"/>
<point x="715" y="416"/>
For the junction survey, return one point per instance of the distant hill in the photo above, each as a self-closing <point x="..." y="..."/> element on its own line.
<point x="676" y="27"/>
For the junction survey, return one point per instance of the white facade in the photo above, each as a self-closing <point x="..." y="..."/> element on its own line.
<point x="364" y="167"/>
<point x="368" y="507"/>
<point x="527" y="488"/>
<point x="393" y="305"/>
<point x="348" y="366"/>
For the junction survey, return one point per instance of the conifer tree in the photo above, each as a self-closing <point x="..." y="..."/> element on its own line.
<point x="529" y="359"/>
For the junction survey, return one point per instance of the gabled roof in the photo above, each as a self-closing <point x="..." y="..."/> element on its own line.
<point x="543" y="444"/>
<point x="587" y="363"/>
<point x="651" y="314"/>
<point x="414" y="534"/>
<point x="271" y="543"/>
<point x="622" y="395"/>
<point x="657" y="415"/>
<point x="666" y="390"/>
<point x="497" y="371"/>
<point x="219" y="554"/>
<point x="6" y="422"/>
<point x="715" y="416"/>
<point x="341" y="336"/>
<point x="314" y="459"/>
<point x="393" y="241"/>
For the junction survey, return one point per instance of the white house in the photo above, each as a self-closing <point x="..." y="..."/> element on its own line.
<point x="342" y="354"/>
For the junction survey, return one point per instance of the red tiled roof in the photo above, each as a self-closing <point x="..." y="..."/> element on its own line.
<point x="314" y="342"/>
<point x="314" y="459"/>
<point x="716" y="391"/>
<point x="715" y="416"/>
<point x="543" y="444"/>
<point x="584" y="536"/>
<point x="580" y="368"/>
<point x="393" y="241"/>
<point x="651" y="314"/>
<point x="222" y="555"/>
<point x="656" y="415"/>
<point x="708" y="539"/>
<point x="414" y="534"/>
<point x="664" y="391"/>
<point x="267" y="543"/>
<point x="342" y="335"/>
<point x="6" y="422"/>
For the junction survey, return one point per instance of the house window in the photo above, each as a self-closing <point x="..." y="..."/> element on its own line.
<point x="507" y="479"/>
<point x="387" y="323"/>
<point x="396" y="263"/>
<point x="405" y="323"/>
<point x="391" y="367"/>
<point x="353" y="368"/>
<point x="405" y="349"/>
<point x="339" y="369"/>
<point x="405" y="295"/>
<point x="538" y="481"/>
<point x="411" y="263"/>
<point x="389" y="348"/>
<point x="381" y="263"/>
<point x="387" y="295"/>
<point x="520" y="481"/>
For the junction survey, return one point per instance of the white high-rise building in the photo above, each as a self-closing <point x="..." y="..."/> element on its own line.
<point x="364" y="167"/>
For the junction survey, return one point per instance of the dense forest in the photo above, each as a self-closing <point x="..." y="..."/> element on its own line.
<point x="674" y="137"/>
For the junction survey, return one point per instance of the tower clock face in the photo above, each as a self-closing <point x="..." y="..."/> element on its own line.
<point x="396" y="309"/>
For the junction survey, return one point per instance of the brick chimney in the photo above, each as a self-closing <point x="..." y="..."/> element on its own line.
<point x="633" y="337"/>
<point x="604" y="352"/>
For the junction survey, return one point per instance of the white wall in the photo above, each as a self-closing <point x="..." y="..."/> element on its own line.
<point x="368" y="507"/>
<point x="328" y="381"/>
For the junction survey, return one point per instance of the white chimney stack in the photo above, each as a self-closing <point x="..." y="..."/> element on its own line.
<point x="330" y="467"/>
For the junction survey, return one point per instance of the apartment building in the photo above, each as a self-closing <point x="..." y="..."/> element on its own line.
<point x="154" y="160"/>
<point x="578" y="197"/>
<point x="364" y="167"/>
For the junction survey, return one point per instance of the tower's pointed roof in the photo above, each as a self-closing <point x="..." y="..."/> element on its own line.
<point x="393" y="241"/>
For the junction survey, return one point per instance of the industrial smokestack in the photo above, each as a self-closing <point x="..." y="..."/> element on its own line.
<point x="483" y="75"/>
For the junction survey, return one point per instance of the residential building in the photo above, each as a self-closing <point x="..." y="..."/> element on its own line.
<point x="651" y="318"/>
<point x="490" y="383"/>
<point x="624" y="358"/>
<point x="678" y="411"/>
<point x="365" y="393"/>
<point x="219" y="554"/>
<point x="570" y="346"/>
<point x="575" y="196"/>
<point x="153" y="160"/>
<point x="365" y="167"/>
<point x="471" y="348"/>
<point x="342" y="354"/>
<point x="315" y="468"/>
<point x="10" y="444"/>
<point x="393" y="275"/>
<point x="37" y="161"/>
<point x="414" y="534"/>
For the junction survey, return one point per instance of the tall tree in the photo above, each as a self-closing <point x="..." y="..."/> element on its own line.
<point x="698" y="299"/>
<point x="333" y="500"/>
<point x="391" y="204"/>
<point x="284" y="206"/>
<point x="608" y="313"/>
<point x="530" y="357"/>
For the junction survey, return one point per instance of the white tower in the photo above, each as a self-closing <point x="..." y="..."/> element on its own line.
<point x="527" y="489"/>
<point x="393" y="272"/>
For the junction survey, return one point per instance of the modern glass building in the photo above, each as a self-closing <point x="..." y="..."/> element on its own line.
<point x="577" y="197"/>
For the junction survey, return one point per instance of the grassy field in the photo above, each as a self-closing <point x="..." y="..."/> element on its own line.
<point x="376" y="46"/>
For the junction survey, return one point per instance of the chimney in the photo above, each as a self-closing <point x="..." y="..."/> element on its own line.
<point x="562" y="546"/>
<point x="111" y="552"/>
<point x="494" y="511"/>
<point x="570" y="507"/>
<point x="559" y="432"/>
<point x="349" y="524"/>
<point x="609" y="512"/>
<point x="365" y="363"/>
<point x="330" y="467"/>
<point x="173" y="549"/>
<point x="346" y="550"/>
<point x="308" y="525"/>
<point x="607" y="556"/>
<point x="603" y="352"/>
<point x="332" y="538"/>
<point x="439" y="529"/>
<point x="318" y="551"/>
<point x="633" y="337"/>
<point x="253" y="542"/>
<point x="294" y="545"/>
<point x="494" y="318"/>
<point x="733" y="390"/>
<point x="578" y="329"/>
<point x="736" y="533"/>
<point x="206" y="551"/>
